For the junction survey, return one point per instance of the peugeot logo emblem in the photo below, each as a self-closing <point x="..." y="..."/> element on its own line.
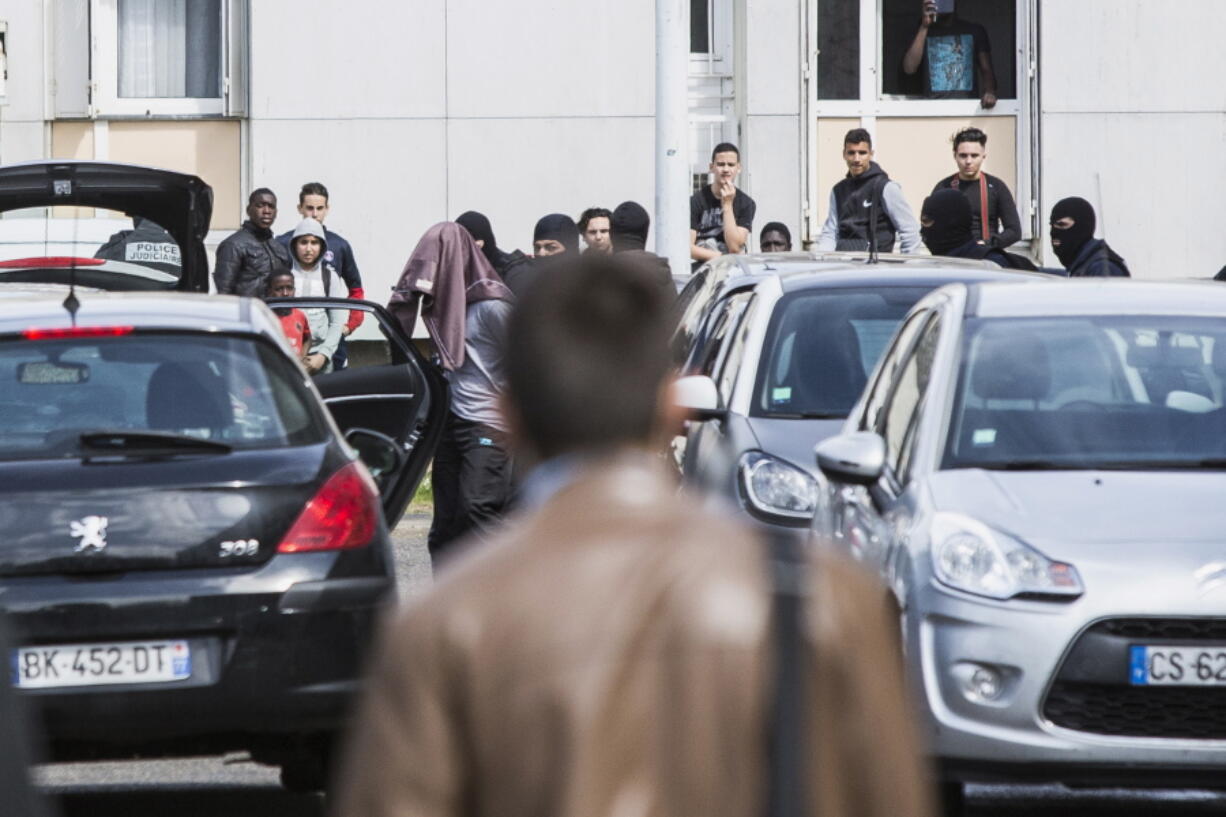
<point x="91" y="531"/>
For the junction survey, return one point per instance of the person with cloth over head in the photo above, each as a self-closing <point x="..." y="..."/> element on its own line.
<point x="945" y="227"/>
<point x="628" y="229"/>
<point x="616" y="648"/>
<point x="1072" y="237"/>
<point x="465" y="307"/>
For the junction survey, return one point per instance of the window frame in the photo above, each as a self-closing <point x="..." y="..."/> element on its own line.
<point x="872" y="104"/>
<point x="105" y="101"/>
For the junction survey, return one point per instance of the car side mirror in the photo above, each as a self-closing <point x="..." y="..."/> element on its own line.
<point x="378" y="452"/>
<point x="699" y="397"/>
<point x="857" y="458"/>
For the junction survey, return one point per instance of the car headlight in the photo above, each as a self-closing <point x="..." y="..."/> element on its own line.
<point x="778" y="488"/>
<point x="970" y="556"/>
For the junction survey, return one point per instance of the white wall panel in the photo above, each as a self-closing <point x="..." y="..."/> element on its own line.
<point x="386" y="179"/>
<point x="776" y="168"/>
<point x="550" y="58"/>
<point x="361" y="59"/>
<point x="517" y="170"/>
<point x="25" y="46"/>
<point x="1158" y="206"/>
<point x="1108" y="55"/>
<point x="22" y="142"/>
<point x="773" y="57"/>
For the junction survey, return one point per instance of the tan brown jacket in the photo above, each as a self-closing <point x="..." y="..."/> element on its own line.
<point x="607" y="656"/>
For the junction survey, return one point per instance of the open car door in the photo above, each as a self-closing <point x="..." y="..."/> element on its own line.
<point x="387" y="390"/>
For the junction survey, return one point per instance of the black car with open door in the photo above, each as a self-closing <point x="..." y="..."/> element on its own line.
<point x="195" y="549"/>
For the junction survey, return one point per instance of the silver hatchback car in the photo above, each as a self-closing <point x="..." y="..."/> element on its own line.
<point x="1037" y="474"/>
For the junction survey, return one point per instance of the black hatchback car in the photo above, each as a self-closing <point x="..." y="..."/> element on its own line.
<point x="194" y="552"/>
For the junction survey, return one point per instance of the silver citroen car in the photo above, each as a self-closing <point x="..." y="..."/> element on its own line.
<point x="1037" y="474"/>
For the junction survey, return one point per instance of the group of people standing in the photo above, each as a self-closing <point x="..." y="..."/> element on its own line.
<point x="970" y="214"/>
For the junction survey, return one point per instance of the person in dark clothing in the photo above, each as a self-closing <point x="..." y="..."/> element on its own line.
<point x="465" y="307"/>
<point x="721" y="214"/>
<point x="1221" y="275"/>
<point x="479" y="228"/>
<point x="1072" y="237"/>
<point x="1003" y="227"/>
<point x="628" y="228"/>
<point x="313" y="202"/>
<point x="146" y="244"/>
<point x="595" y="228"/>
<point x="245" y="258"/>
<point x="776" y="237"/>
<point x="952" y="56"/>
<point x="867" y="204"/>
<point x="555" y="234"/>
<point x="946" y="230"/>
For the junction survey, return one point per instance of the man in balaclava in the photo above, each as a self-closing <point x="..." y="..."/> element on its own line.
<point x="554" y="234"/>
<point x="628" y="228"/>
<point x="945" y="227"/>
<point x="479" y="228"/>
<point x="1072" y="237"/>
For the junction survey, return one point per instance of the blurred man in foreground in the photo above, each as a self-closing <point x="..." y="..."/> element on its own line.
<point x="610" y="652"/>
<point x="17" y="795"/>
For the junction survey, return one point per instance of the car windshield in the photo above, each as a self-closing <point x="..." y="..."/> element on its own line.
<point x="237" y="392"/>
<point x="96" y="248"/>
<point x="1090" y="392"/>
<point x="821" y="346"/>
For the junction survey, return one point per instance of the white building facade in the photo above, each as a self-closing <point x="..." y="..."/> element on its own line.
<point x="413" y="112"/>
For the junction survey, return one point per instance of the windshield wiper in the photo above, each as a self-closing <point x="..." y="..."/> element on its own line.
<point x="1208" y="463"/>
<point x="1034" y="465"/>
<point x="128" y="443"/>
<point x="809" y="415"/>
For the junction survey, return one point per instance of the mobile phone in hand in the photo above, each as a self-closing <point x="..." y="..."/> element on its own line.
<point x="945" y="6"/>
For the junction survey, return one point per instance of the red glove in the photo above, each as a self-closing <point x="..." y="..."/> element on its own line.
<point x="355" y="317"/>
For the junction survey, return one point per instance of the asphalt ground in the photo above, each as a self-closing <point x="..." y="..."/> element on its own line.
<point x="233" y="786"/>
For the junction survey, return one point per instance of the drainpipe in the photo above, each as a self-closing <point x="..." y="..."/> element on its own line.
<point x="672" y="134"/>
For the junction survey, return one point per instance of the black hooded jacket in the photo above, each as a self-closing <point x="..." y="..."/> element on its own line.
<point x="1098" y="259"/>
<point x="858" y="199"/>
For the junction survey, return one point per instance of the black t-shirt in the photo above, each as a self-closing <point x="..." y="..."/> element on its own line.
<point x="950" y="68"/>
<point x="707" y="215"/>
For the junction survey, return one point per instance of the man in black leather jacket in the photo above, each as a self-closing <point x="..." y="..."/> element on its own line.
<point x="245" y="259"/>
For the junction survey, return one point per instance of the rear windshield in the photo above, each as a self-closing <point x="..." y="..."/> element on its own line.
<point x="237" y="391"/>
<point x="99" y="248"/>
<point x="823" y="344"/>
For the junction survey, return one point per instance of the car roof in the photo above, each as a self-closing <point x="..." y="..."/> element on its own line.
<point x="798" y="269"/>
<point x="22" y="309"/>
<point x="1098" y="296"/>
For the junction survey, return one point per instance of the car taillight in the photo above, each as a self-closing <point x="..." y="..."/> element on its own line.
<point x="77" y="332"/>
<point x="45" y="261"/>
<point x="343" y="514"/>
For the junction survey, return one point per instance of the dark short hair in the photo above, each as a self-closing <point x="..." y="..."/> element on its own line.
<point x="312" y="189"/>
<point x="259" y="191"/>
<point x="857" y="135"/>
<point x="970" y="135"/>
<point x="591" y="213"/>
<point x="587" y="355"/>
<point x="279" y="272"/>
<point x="725" y="147"/>
<point x="776" y="227"/>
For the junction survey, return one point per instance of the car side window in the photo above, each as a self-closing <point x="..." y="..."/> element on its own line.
<point x="730" y="367"/>
<point x="879" y="390"/>
<point x="901" y="416"/>
<point x="706" y="355"/>
<point x="689" y="309"/>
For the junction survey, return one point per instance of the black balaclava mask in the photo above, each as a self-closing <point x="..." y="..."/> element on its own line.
<point x="560" y="228"/>
<point x="950" y="214"/>
<point x="479" y="228"/>
<point x="1074" y="238"/>
<point x="629" y="226"/>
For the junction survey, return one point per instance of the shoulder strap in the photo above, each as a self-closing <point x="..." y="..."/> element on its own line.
<point x="983" y="209"/>
<point x="788" y="725"/>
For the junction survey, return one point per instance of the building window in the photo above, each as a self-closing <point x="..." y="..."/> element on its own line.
<point x="838" y="49"/>
<point x="990" y="28"/>
<point x="177" y="58"/>
<point x="169" y="49"/>
<point x="700" y="26"/>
